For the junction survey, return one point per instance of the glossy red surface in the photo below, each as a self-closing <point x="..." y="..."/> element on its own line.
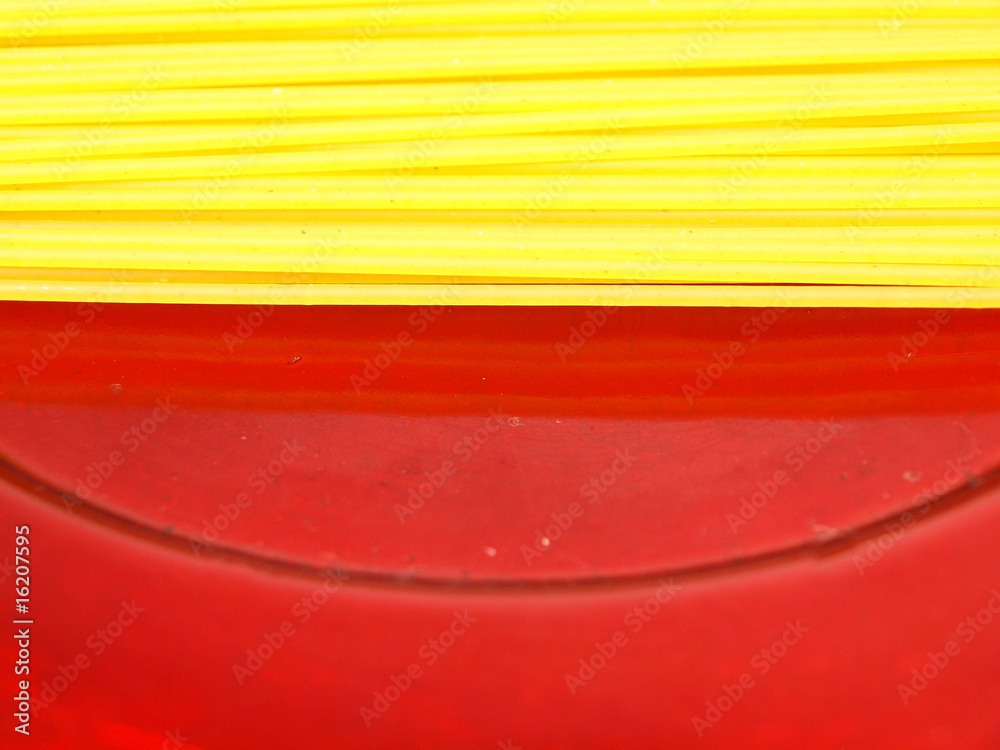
<point x="250" y="453"/>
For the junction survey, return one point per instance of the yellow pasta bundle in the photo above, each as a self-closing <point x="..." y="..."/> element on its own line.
<point x="506" y="152"/>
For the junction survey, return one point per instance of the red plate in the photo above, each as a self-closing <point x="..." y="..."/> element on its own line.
<point x="385" y="527"/>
